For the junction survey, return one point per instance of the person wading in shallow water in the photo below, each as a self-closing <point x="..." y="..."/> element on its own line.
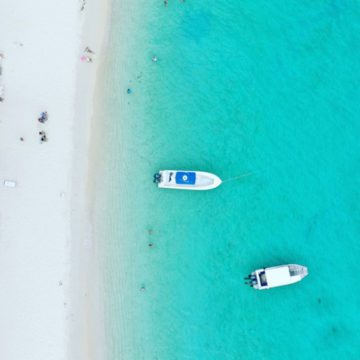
<point x="166" y="2"/>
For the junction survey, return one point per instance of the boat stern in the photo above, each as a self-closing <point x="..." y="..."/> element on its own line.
<point x="157" y="178"/>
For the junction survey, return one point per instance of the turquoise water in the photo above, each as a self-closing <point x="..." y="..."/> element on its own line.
<point x="267" y="88"/>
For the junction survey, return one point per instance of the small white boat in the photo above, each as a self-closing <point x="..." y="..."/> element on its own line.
<point x="268" y="278"/>
<point x="186" y="180"/>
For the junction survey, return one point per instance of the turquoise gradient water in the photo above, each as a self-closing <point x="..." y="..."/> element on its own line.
<point x="267" y="88"/>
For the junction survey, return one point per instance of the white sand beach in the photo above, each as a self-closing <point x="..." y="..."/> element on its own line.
<point x="47" y="307"/>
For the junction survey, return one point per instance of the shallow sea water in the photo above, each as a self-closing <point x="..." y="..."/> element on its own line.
<point x="266" y="88"/>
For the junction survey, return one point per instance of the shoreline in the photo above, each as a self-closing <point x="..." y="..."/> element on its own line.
<point x="90" y="318"/>
<point x="49" y="265"/>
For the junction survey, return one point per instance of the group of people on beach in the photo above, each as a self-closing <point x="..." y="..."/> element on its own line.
<point x="42" y="119"/>
<point x="86" y="56"/>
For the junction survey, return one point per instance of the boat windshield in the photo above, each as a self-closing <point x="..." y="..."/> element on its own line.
<point x="263" y="280"/>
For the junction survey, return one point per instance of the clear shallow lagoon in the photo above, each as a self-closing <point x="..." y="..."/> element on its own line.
<point x="270" y="88"/>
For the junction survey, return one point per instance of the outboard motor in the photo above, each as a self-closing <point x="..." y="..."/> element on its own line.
<point x="157" y="178"/>
<point x="250" y="280"/>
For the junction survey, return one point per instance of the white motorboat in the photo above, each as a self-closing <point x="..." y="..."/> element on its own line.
<point x="186" y="180"/>
<point x="270" y="277"/>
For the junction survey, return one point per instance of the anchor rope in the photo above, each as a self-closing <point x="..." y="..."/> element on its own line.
<point x="238" y="177"/>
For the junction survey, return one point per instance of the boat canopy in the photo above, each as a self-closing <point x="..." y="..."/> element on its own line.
<point x="186" y="178"/>
<point x="278" y="276"/>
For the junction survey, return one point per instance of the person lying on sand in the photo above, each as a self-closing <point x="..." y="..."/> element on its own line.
<point x="88" y="50"/>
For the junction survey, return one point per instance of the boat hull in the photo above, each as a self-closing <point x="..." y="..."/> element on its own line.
<point x="187" y="180"/>
<point x="267" y="278"/>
